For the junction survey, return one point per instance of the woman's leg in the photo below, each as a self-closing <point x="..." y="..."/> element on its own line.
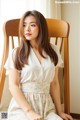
<point x="53" y="116"/>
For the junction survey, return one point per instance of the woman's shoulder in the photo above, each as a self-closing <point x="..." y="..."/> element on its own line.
<point x="12" y="53"/>
<point x="14" y="50"/>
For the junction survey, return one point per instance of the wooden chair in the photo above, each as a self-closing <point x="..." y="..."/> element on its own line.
<point x="60" y="29"/>
<point x="57" y="29"/>
<point x="10" y="30"/>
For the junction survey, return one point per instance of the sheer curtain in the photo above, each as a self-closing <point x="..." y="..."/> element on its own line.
<point x="10" y="9"/>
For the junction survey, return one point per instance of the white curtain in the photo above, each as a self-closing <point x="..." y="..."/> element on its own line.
<point x="10" y="9"/>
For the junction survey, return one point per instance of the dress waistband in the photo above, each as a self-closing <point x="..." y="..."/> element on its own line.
<point x="34" y="87"/>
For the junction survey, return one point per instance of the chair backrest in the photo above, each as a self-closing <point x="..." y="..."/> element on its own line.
<point x="10" y="29"/>
<point x="60" y="29"/>
<point x="57" y="29"/>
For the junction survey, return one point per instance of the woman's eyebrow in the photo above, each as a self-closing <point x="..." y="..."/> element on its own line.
<point x="33" y="22"/>
<point x="29" y="22"/>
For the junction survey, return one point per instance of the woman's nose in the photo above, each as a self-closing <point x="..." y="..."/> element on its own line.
<point x="28" y="28"/>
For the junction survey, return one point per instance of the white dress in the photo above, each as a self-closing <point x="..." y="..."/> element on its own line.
<point x="35" y="81"/>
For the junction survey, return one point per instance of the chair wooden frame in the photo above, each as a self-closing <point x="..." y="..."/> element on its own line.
<point x="10" y="28"/>
<point x="57" y="28"/>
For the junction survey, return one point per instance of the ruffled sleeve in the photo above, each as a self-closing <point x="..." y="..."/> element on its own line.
<point x="60" y="61"/>
<point x="9" y="62"/>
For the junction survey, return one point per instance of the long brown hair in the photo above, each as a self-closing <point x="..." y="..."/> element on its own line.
<point x="43" y="42"/>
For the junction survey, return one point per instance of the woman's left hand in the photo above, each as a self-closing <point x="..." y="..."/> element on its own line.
<point x="65" y="116"/>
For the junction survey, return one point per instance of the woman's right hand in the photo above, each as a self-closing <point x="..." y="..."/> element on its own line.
<point x="34" y="116"/>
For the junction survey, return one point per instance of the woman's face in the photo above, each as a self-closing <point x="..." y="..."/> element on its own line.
<point x="30" y="28"/>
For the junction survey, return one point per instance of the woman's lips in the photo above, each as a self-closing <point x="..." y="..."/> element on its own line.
<point x="27" y="34"/>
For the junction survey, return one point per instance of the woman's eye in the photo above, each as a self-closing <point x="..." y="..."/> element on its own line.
<point x="24" y="25"/>
<point x="33" y="25"/>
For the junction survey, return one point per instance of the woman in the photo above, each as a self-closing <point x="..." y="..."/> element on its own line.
<point x="33" y="73"/>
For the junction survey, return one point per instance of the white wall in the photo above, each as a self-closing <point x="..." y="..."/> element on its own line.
<point x="71" y="13"/>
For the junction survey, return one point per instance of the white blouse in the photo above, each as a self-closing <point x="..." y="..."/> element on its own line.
<point x="35" y="79"/>
<point x="36" y="71"/>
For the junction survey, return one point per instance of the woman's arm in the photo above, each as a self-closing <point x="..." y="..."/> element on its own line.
<point x="55" y="94"/>
<point x="19" y="96"/>
<point x="15" y="90"/>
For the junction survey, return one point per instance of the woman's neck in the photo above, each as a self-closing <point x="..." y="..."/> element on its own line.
<point x="34" y="45"/>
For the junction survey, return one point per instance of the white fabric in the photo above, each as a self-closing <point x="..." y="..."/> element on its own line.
<point x="35" y="81"/>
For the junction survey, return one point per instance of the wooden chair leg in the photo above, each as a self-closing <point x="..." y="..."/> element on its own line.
<point x="2" y="80"/>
